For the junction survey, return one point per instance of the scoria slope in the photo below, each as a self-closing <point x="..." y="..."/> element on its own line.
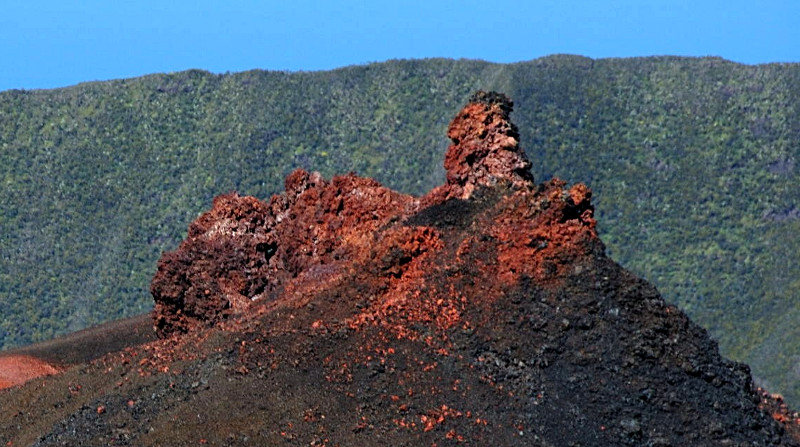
<point x="342" y="313"/>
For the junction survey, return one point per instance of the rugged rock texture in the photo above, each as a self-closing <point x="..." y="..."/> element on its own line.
<point x="342" y="313"/>
<point x="485" y="148"/>
<point x="245" y="250"/>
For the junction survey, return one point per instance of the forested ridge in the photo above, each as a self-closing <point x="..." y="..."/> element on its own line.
<point x="693" y="164"/>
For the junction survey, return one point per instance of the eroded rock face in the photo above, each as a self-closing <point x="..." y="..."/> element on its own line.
<point x="245" y="250"/>
<point x="485" y="147"/>
<point x="219" y="268"/>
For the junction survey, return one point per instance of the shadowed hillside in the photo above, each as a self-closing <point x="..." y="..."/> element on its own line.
<point x="693" y="164"/>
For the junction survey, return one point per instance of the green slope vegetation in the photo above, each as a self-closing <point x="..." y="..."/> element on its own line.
<point x="694" y="164"/>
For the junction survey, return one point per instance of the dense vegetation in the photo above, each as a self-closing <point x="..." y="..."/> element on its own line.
<point x="694" y="164"/>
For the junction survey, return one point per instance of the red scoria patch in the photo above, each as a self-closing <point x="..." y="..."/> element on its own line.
<point x="777" y="408"/>
<point x="485" y="149"/>
<point x="18" y="369"/>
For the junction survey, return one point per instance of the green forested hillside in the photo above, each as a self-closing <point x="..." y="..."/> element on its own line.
<point x="694" y="164"/>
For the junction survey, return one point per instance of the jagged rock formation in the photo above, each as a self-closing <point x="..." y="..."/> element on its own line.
<point x="485" y="147"/>
<point x="246" y="250"/>
<point x="343" y="313"/>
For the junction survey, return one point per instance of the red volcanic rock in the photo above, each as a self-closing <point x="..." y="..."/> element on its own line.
<point x="774" y="405"/>
<point x="485" y="148"/>
<point x="218" y="268"/>
<point x="244" y="250"/>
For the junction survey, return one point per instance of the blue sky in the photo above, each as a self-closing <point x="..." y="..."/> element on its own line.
<point x="46" y="43"/>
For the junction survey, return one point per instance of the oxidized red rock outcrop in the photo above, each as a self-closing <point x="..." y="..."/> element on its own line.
<point x="245" y="250"/>
<point x="485" y="148"/>
<point x="220" y="266"/>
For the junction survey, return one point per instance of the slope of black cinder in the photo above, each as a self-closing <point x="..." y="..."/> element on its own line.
<point x="603" y="361"/>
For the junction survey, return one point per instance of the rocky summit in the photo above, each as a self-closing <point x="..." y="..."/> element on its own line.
<point x="342" y="313"/>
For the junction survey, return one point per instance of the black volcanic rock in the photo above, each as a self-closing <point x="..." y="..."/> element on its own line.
<point x="484" y="313"/>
